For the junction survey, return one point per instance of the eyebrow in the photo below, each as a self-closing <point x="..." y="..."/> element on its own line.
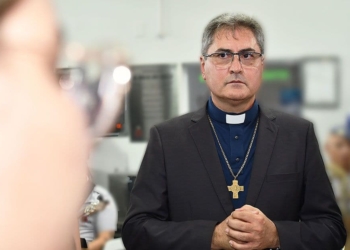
<point x="230" y="51"/>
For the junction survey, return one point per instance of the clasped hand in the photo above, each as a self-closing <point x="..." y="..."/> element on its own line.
<point x="246" y="228"/>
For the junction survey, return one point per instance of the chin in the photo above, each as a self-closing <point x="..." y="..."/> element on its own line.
<point x="237" y="95"/>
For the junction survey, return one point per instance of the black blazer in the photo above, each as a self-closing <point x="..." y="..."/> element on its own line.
<point x="180" y="193"/>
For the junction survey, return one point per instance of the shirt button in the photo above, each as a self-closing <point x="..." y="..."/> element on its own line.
<point x="237" y="159"/>
<point x="236" y="137"/>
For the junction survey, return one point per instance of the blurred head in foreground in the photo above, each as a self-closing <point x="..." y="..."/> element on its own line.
<point x="44" y="139"/>
<point x="338" y="148"/>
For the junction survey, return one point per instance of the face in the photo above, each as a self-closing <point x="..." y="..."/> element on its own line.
<point x="338" y="149"/>
<point x="236" y="84"/>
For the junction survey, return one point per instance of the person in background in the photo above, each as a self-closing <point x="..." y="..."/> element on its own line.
<point x="337" y="148"/>
<point x="99" y="222"/>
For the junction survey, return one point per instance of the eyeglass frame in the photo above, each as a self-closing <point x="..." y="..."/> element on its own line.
<point x="233" y="55"/>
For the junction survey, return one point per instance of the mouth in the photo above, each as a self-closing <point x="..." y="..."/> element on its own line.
<point x="236" y="82"/>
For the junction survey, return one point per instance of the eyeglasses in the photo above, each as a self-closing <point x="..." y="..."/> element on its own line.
<point x="223" y="60"/>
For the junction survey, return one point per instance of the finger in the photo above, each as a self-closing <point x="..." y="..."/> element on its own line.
<point x="241" y="246"/>
<point x="21" y="17"/>
<point x="239" y="225"/>
<point x="241" y="237"/>
<point x="248" y="208"/>
<point x="247" y="216"/>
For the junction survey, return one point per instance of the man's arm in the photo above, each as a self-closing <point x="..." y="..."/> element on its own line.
<point x="148" y="224"/>
<point x="100" y="241"/>
<point x="321" y="225"/>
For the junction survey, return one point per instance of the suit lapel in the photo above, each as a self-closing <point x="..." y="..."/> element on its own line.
<point x="203" y="138"/>
<point x="267" y="134"/>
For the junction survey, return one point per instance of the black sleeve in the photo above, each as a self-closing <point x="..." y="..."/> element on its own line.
<point x="148" y="224"/>
<point x="320" y="226"/>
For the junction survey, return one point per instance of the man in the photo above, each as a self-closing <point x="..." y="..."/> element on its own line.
<point x="338" y="149"/>
<point x="233" y="175"/>
<point x="99" y="225"/>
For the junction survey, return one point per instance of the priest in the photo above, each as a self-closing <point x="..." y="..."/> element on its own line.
<point x="233" y="175"/>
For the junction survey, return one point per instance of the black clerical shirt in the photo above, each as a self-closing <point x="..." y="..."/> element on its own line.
<point x="235" y="139"/>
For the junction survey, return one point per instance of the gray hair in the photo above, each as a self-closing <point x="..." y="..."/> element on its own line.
<point x="231" y="21"/>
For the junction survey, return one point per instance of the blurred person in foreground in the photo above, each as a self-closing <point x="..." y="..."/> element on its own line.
<point x="337" y="148"/>
<point x="44" y="142"/>
<point x="99" y="222"/>
<point x="233" y="175"/>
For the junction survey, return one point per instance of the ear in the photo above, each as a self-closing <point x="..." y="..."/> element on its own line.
<point x="202" y="61"/>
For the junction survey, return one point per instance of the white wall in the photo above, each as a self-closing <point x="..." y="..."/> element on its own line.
<point x="293" y="29"/>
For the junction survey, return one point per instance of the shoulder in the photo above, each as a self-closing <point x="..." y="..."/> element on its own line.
<point x="285" y="120"/>
<point x="179" y="122"/>
<point x="336" y="171"/>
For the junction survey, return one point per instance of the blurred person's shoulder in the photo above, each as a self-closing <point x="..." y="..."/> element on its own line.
<point x="335" y="171"/>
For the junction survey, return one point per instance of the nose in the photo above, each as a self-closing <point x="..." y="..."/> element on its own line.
<point x="236" y="66"/>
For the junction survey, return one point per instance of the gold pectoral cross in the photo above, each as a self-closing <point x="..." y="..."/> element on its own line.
<point x="235" y="188"/>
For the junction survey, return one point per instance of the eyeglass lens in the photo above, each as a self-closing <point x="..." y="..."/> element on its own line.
<point x="224" y="59"/>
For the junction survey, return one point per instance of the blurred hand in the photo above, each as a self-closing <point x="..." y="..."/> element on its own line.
<point x="29" y="27"/>
<point x="44" y="143"/>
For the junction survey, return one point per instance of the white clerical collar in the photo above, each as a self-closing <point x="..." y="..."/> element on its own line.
<point x="235" y="119"/>
<point x="232" y="118"/>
